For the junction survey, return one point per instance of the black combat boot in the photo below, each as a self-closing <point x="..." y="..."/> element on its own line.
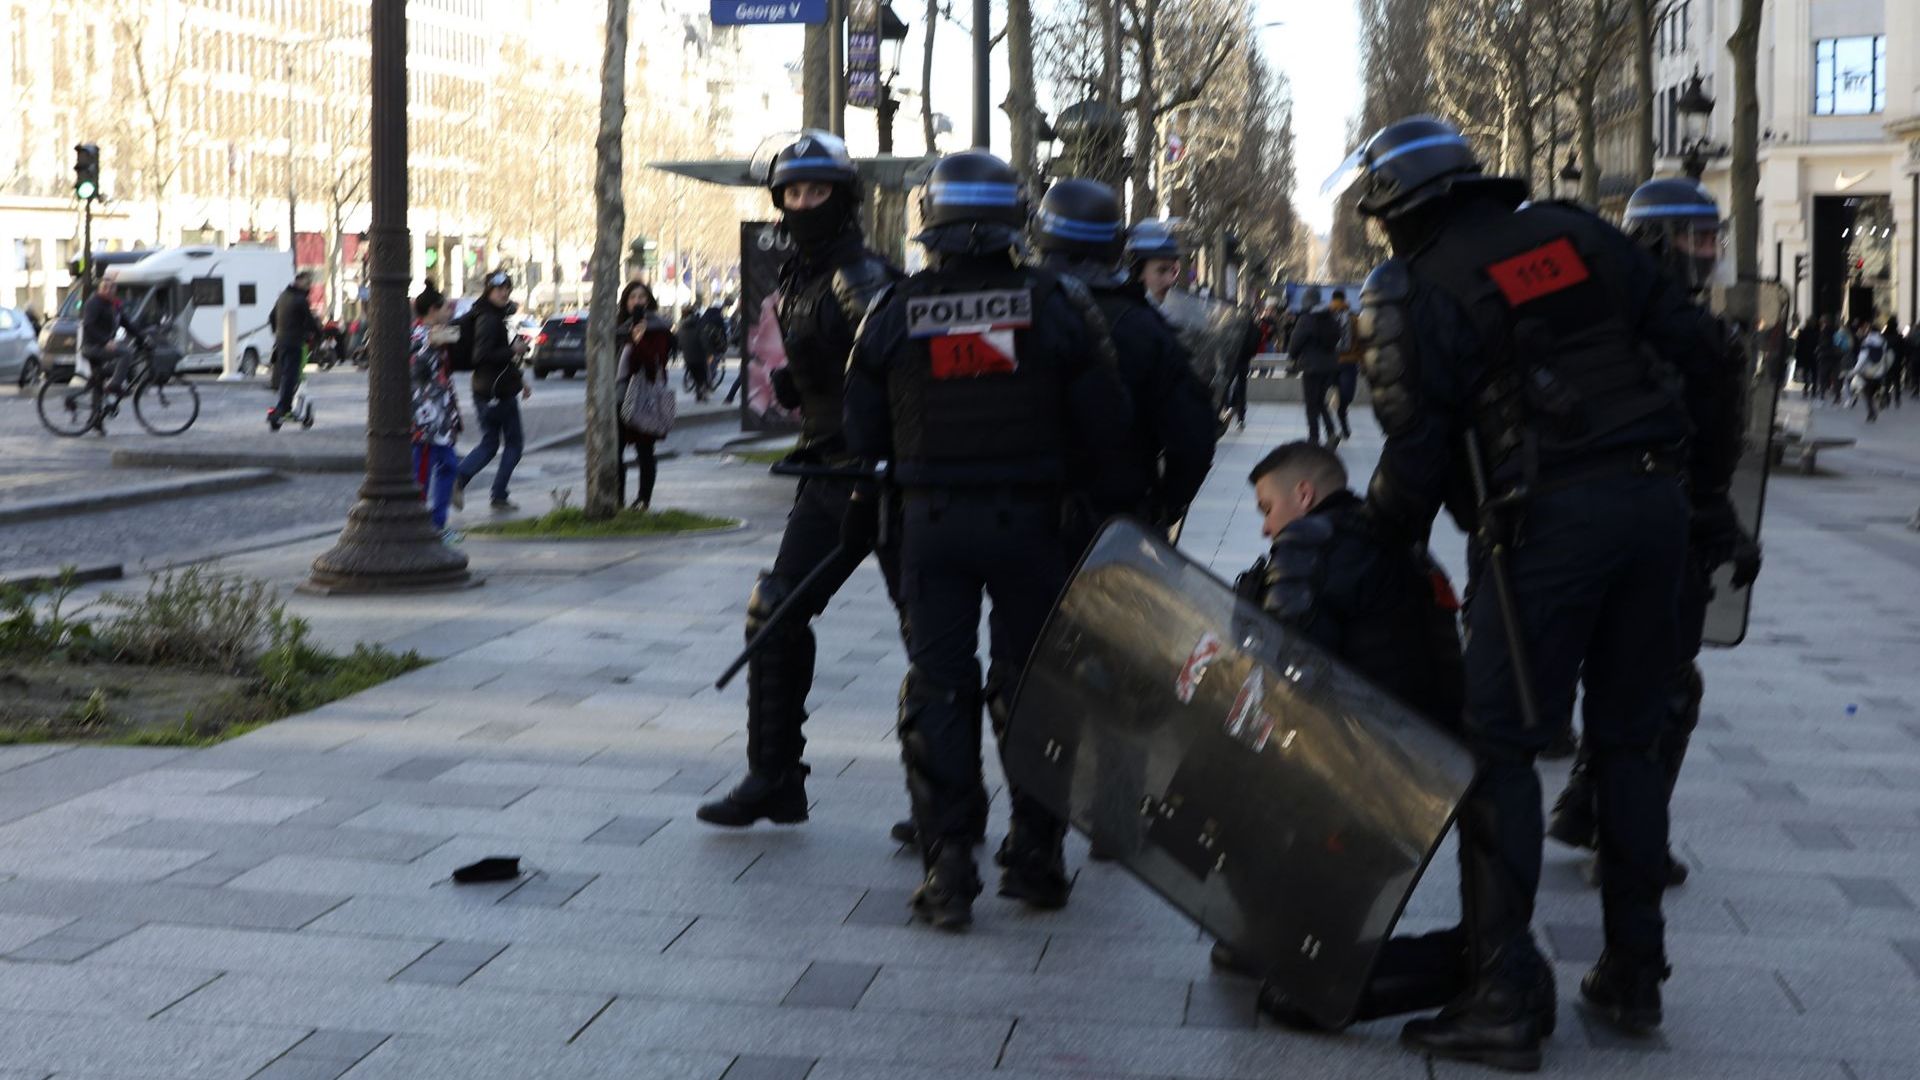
<point x="1034" y="866"/>
<point x="1225" y="957"/>
<point x="1626" y="992"/>
<point x="780" y="799"/>
<point x="1500" y="1022"/>
<point x="945" y="899"/>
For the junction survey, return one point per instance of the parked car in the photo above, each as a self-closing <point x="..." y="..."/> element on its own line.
<point x="561" y="346"/>
<point x="19" y="349"/>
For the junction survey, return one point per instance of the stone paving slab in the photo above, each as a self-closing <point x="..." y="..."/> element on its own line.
<point x="572" y="723"/>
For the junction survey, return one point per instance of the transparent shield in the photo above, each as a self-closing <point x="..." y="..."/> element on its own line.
<point x="1768" y="351"/>
<point x="1278" y="799"/>
<point x="1211" y="332"/>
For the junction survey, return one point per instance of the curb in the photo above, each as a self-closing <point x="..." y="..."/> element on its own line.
<point x="336" y="462"/>
<point x="88" y="502"/>
<point x="741" y="525"/>
<point x="51" y="575"/>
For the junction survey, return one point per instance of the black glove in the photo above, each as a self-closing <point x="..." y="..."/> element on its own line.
<point x="1718" y="537"/>
<point x="1251" y="586"/>
<point x="785" y="390"/>
<point x="860" y="525"/>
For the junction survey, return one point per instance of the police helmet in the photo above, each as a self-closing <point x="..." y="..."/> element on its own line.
<point x="1679" y="223"/>
<point x="1080" y="218"/>
<point x="1404" y="165"/>
<point x="1152" y="239"/>
<point x="815" y="155"/>
<point x="972" y="187"/>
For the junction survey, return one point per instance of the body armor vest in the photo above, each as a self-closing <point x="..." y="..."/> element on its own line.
<point x="974" y="388"/>
<point x="820" y="307"/>
<point x="1566" y="374"/>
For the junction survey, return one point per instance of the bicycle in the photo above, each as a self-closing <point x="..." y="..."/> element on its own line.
<point x="163" y="402"/>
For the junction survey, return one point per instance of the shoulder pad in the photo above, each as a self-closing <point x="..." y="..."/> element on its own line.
<point x="869" y="354"/>
<point x="1296" y="566"/>
<point x="857" y="283"/>
<point x="1389" y="283"/>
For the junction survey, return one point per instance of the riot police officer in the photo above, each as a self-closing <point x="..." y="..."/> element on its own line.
<point x="824" y="290"/>
<point x="1153" y="258"/>
<point x="980" y="381"/>
<point x="1080" y="233"/>
<point x="1679" y="224"/>
<point x="1535" y="356"/>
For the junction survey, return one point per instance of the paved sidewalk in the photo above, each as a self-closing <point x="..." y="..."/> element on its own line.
<point x="276" y="907"/>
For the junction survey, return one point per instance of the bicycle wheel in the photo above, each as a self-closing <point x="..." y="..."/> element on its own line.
<point x="68" y="411"/>
<point x="167" y="407"/>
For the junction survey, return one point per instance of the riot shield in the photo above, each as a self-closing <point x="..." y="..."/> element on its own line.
<point x="1766" y="354"/>
<point x="1276" y="798"/>
<point x="1212" y="333"/>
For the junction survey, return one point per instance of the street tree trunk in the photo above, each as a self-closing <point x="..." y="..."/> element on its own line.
<point x="1641" y="27"/>
<point x="610" y="227"/>
<point x="1743" y="168"/>
<point x="926" y="74"/>
<point x="1021" y="108"/>
<point x="1146" y="94"/>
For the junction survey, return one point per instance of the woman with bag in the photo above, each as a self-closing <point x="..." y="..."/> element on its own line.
<point x="646" y="400"/>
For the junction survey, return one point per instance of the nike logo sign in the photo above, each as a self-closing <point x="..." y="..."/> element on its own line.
<point x="1841" y="181"/>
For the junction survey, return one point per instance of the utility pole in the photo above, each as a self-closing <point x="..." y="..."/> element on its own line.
<point x="388" y="544"/>
<point x="836" y="74"/>
<point x="293" y="247"/>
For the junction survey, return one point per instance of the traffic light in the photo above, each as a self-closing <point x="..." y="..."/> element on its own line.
<point x="86" y="172"/>
<point x="432" y="258"/>
<point x="1799" y="268"/>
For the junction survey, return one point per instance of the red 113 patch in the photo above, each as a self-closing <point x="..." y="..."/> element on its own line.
<point x="1542" y="271"/>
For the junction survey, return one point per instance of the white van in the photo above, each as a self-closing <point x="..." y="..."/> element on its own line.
<point x="196" y="287"/>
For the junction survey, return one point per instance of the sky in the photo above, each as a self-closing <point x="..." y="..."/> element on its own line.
<point x="1317" y="46"/>
<point x="1319" y="49"/>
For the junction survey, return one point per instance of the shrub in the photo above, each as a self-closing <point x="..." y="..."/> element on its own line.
<point x="196" y="619"/>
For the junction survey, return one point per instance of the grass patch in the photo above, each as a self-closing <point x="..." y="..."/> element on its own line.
<point x="570" y="522"/>
<point x="201" y="658"/>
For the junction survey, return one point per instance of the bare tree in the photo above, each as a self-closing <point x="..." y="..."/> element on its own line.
<point x="156" y="57"/>
<point x="1640" y="29"/>
<point x="1743" y="167"/>
<point x="1022" y="109"/>
<point x="1399" y="82"/>
<point x="1178" y="48"/>
<point x="609" y="238"/>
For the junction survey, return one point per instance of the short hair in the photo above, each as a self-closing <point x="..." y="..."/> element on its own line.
<point x="1311" y="460"/>
<point x="1339" y="294"/>
<point x="429" y="299"/>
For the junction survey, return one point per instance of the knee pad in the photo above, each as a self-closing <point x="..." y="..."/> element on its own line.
<point x="770" y="590"/>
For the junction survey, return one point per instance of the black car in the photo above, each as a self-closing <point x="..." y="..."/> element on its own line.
<point x="561" y="346"/>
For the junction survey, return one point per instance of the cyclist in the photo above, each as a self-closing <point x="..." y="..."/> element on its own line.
<point x="101" y="318"/>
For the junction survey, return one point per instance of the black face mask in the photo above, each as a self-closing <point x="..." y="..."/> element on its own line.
<point x="812" y="229"/>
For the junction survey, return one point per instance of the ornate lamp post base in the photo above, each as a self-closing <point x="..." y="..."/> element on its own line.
<point x="388" y="544"/>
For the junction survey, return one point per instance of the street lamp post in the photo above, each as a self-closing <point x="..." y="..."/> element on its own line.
<point x="1696" y="110"/>
<point x="388" y="544"/>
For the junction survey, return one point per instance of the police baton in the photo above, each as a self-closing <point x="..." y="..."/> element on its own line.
<point x="780" y="615"/>
<point x="1495" y="541"/>
<point x="800" y="592"/>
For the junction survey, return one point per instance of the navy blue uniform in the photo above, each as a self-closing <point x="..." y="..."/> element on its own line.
<point x="983" y="431"/>
<point x="1551" y="340"/>
<point x="823" y="294"/>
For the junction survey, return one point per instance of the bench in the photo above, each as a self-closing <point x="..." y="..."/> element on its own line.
<point x="1793" y="431"/>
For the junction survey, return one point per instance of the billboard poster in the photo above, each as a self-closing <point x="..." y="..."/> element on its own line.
<point x="764" y="249"/>
<point x="863" y="53"/>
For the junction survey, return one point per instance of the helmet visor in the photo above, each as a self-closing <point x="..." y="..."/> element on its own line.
<point x="1349" y="173"/>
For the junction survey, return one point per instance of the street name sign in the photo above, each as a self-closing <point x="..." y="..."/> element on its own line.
<point x="767" y="12"/>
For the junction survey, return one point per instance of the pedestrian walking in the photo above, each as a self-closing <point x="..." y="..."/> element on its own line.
<point x="644" y="357"/>
<point x="695" y="349"/>
<point x="1315" y="348"/>
<point x="498" y="388"/>
<point x="1870" y="368"/>
<point x="1843" y="359"/>
<point x="436" y="405"/>
<point x="1348" y="353"/>
<point x="1806" y="353"/>
<point x="294" y="328"/>
<point x="1899" y="358"/>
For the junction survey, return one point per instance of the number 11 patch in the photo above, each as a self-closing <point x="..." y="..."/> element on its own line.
<point x="969" y="356"/>
<point x="1543" y="271"/>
